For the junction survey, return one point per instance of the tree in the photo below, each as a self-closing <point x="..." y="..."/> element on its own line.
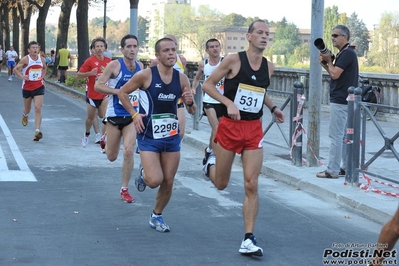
<point x="194" y="25"/>
<point x="25" y="13"/>
<point x="15" y="27"/>
<point x="43" y="7"/>
<point x="82" y="28"/>
<point x="385" y="46"/>
<point x="234" y="20"/>
<point x="359" y="34"/>
<point x="331" y="19"/>
<point x="286" y="39"/>
<point x="142" y="30"/>
<point x="63" y="26"/>
<point x="301" y="55"/>
<point x="5" y="23"/>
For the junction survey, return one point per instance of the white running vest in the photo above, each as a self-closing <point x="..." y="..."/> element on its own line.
<point x="208" y="69"/>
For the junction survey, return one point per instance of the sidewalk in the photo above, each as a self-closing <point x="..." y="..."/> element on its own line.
<point x="278" y="166"/>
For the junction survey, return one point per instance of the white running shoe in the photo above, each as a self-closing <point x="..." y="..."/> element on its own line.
<point x="211" y="161"/>
<point x="249" y="247"/>
<point x="10" y="78"/>
<point x="98" y="138"/>
<point x="85" y="141"/>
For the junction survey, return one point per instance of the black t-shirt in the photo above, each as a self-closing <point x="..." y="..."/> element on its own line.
<point x="247" y="75"/>
<point x="346" y="60"/>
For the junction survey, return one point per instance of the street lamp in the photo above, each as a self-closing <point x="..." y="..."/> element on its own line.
<point x="134" y="4"/>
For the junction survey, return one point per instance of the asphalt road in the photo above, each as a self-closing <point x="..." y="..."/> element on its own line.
<point x="64" y="208"/>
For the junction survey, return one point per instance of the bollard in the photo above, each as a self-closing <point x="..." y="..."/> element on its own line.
<point x="297" y="124"/>
<point x="198" y="101"/>
<point x="356" y="135"/>
<point x="349" y="172"/>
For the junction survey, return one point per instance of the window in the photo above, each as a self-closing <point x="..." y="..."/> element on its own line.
<point x="234" y="48"/>
<point x="270" y="39"/>
<point x="235" y="38"/>
<point x="242" y="48"/>
<point x="242" y="38"/>
<point x="229" y="47"/>
<point x="228" y="38"/>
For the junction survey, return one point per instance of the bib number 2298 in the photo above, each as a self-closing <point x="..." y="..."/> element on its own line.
<point x="164" y="125"/>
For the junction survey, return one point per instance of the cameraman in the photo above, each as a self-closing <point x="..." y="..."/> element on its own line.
<point x="344" y="73"/>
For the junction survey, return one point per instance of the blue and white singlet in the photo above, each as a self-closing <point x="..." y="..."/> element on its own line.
<point x="115" y="107"/>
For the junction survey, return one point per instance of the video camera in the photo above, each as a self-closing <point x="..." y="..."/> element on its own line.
<point x="319" y="43"/>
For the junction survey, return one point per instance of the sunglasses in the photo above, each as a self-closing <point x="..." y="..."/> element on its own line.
<point x="336" y="35"/>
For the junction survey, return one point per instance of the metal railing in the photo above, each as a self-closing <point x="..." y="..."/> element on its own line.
<point x="358" y="112"/>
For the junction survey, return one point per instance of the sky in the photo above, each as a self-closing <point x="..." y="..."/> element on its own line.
<point x="295" y="11"/>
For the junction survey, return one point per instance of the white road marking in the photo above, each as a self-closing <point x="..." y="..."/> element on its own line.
<point x="25" y="173"/>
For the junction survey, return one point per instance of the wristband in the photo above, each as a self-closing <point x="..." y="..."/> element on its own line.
<point x="191" y="104"/>
<point x="135" y="114"/>
<point x="274" y="108"/>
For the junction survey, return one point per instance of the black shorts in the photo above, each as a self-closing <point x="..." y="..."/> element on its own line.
<point x="30" y="94"/>
<point x="216" y="106"/>
<point x="62" y="67"/>
<point x="94" y="103"/>
<point x="119" y="121"/>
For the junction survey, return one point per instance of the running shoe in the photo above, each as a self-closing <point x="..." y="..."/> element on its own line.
<point x="38" y="136"/>
<point x="98" y="138"/>
<point x="206" y="156"/>
<point x="156" y="222"/>
<point x="24" y="120"/>
<point x="103" y="141"/>
<point x="139" y="181"/>
<point x="211" y="161"/>
<point x="9" y="78"/>
<point x="249" y="247"/>
<point x="125" y="196"/>
<point x="85" y="141"/>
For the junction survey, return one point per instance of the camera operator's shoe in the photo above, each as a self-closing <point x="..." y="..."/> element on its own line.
<point x="326" y="174"/>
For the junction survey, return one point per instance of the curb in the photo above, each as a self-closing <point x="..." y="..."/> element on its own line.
<point x="67" y="90"/>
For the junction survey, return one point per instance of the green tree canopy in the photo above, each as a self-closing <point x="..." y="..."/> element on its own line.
<point x="359" y="34"/>
<point x="286" y="39"/>
<point x="195" y="25"/>
<point x="234" y="20"/>
<point x="385" y="48"/>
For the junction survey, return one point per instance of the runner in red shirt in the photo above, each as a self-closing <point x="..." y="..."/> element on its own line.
<point x="91" y="69"/>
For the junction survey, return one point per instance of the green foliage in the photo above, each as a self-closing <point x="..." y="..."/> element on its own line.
<point x="385" y="48"/>
<point x="141" y="30"/>
<point x="73" y="82"/>
<point x="286" y="39"/>
<point x="301" y="55"/>
<point x="331" y="19"/>
<point x="359" y="34"/>
<point x="195" y="25"/>
<point x="234" y="20"/>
